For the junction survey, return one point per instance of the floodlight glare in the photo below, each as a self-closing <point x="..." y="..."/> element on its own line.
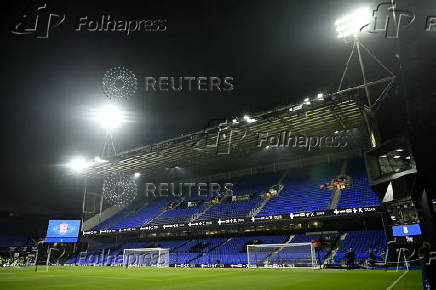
<point x="351" y="24"/>
<point x="78" y="164"/>
<point x="110" y="117"/>
<point x="137" y="174"/>
<point x="97" y="159"/>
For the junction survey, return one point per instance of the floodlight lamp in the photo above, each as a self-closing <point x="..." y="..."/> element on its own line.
<point x="248" y="119"/>
<point x="110" y="117"/>
<point x="78" y="164"/>
<point x="351" y="24"/>
<point x="320" y="97"/>
<point x="137" y="175"/>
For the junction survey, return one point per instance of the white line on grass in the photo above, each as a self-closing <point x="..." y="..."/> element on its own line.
<point x="398" y="280"/>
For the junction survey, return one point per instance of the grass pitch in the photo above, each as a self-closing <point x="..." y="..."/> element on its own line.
<point x="108" y="278"/>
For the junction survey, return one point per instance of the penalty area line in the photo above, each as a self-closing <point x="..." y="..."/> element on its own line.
<point x="398" y="280"/>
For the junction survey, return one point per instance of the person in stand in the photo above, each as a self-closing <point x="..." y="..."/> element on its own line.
<point x="348" y="258"/>
<point x="424" y="254"/>
<point x="383" y="259"/>
<point x="371" y="260"/>
<point x="352" y="258"/>
<point x="317" y="245"/>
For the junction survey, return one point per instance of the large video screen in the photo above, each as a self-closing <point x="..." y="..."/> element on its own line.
<point x="64" y="231"/>
<point x="406" y="230"/>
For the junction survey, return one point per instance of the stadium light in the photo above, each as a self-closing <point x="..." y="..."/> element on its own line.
<point x="351" y="24"/>
<point x="320" y="97"/>
<point x="137" y="175"/>
<point x="249" y="120"/>
<point x="307" y="101"/>
<point x="78" y="164"/>
<point x="110" y="117"/>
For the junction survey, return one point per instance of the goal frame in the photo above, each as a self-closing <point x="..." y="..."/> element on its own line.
<point x="160" y="251"/>
<point x="314" y="261"/>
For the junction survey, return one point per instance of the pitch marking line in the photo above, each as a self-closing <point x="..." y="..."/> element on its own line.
<point x="398" y="280"/>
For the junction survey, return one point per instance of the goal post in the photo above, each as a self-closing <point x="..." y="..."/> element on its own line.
<point x="146" y="257"/>
<point x="282" y="255"/>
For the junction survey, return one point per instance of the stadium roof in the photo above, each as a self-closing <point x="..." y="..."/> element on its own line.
<point x="237" y="138"/>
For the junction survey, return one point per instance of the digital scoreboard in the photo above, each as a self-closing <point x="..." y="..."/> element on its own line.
<point x="63" y="231"/>
<point x="406" y="230"/>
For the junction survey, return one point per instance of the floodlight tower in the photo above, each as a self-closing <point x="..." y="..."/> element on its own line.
<point x="348" y="28"/>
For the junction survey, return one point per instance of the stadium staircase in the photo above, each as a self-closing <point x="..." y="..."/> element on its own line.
<point x="209" y="250"/>
<point x="116" y="218"/>
<point x="336" y="196"/>
<point x="206" y="208"/>
<point x="265" y="201"/>
<point x="151" y="221"/>
<point x="256" y="210"/>
<point x="332" y="253"/>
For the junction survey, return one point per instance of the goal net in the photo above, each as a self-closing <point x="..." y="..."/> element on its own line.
<point x="282" y="255"/>
<point x="146" y="257"/>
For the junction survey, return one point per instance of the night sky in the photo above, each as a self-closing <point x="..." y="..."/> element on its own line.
<point x="277" y="52"/>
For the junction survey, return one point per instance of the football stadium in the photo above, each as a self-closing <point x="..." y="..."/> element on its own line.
<point x="175" y="179"/>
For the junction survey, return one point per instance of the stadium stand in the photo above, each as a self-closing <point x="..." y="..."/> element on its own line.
<point x="15" y="241"/>
<point x="360" y="194"/>
<point x="232" y="250"/>
<point x="301" y="193"/>
<point x="182" y="212"/>
<point x="143" y="215"/>
<point x="361" y="242"/>
<point x="254" y="185"/>
<point x="114" y="219"/>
